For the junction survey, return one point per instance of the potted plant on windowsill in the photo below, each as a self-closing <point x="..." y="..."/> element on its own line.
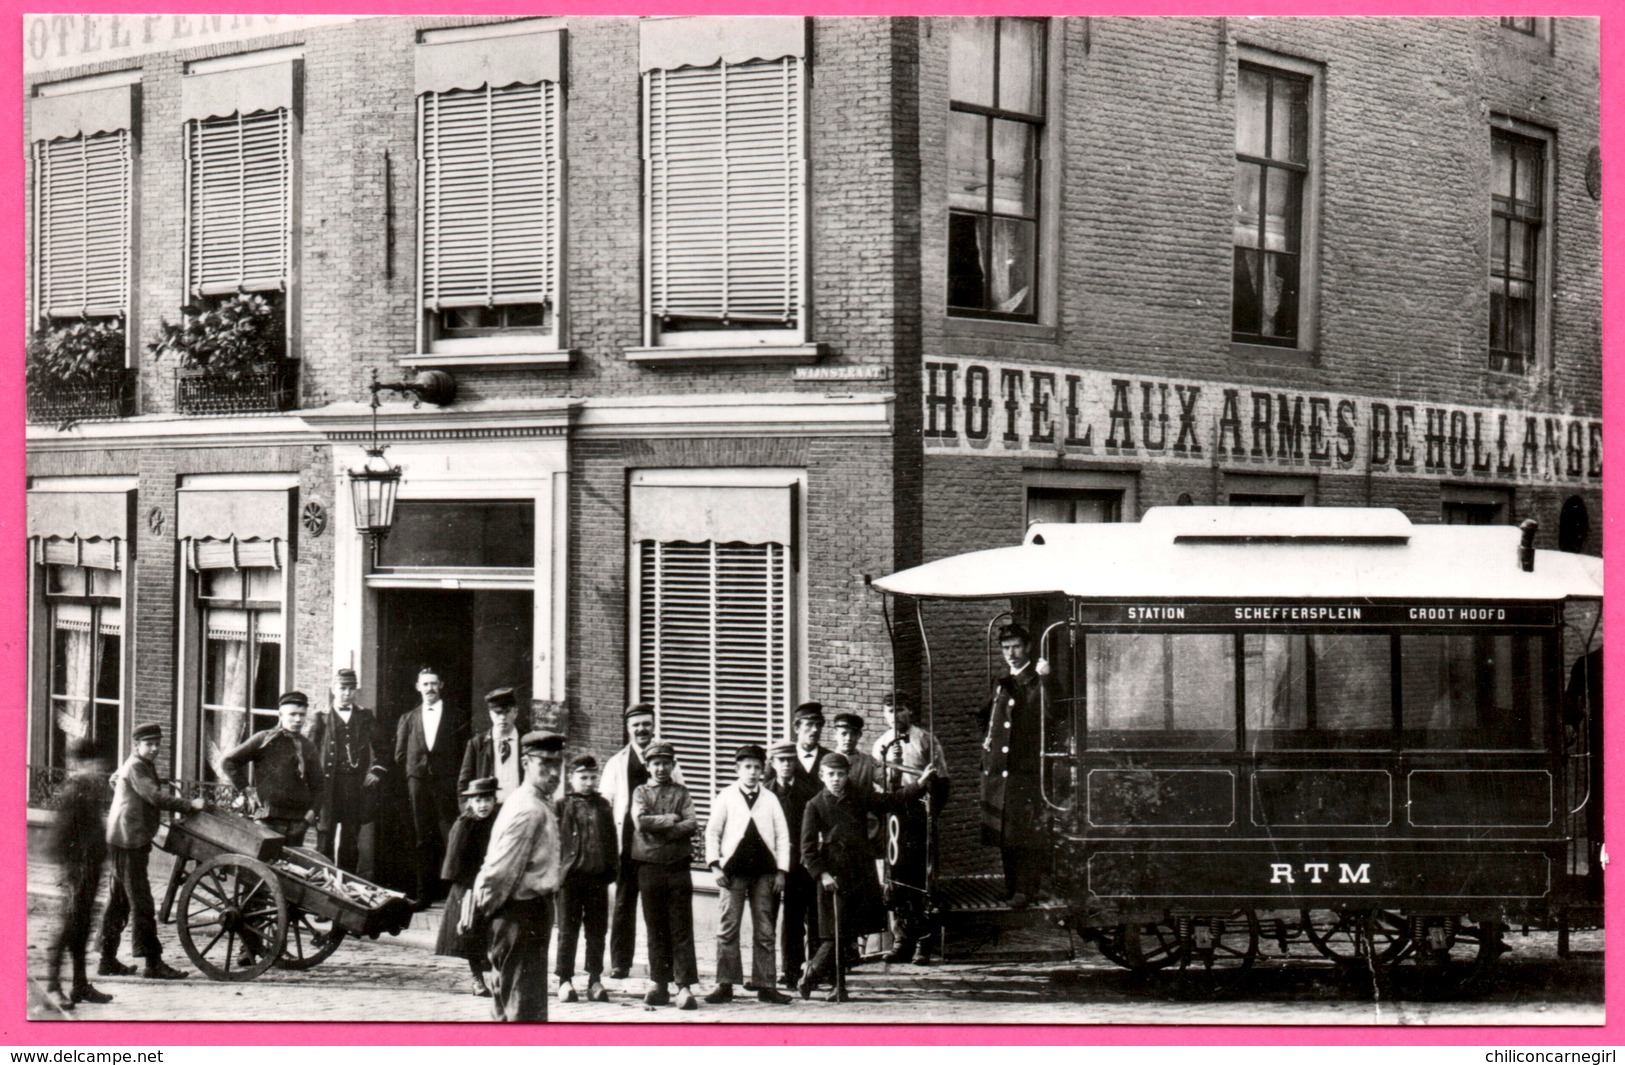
<point x="233" y="356"/>
<point x="75" y="370"/>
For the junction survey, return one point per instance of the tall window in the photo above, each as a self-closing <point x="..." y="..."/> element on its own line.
<point x="995" y="133"/>
<point x="82" y="226"/>
<point x="241" y="613"/>
<point x="713" y="578"/>
<point x="85" y="639"/>
<point x="1517" y="217"/>
<point x="1272" y="172"/>
<point x="239" y="203"/>
<point x="489" y="164"/>
<point x="725" y="179"/>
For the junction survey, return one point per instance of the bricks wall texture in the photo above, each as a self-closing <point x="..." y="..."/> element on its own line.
<point x="1140" y="158"/>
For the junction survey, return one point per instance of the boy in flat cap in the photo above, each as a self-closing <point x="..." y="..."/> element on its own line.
<point x="494" y="752"/>
<point x="663" y="812"/>
<point x="747" y="846"/>
<point x="78" y="844"/>
<point x="587" y="836"/>
<point x="287" y="770"/>
<point x="794" y="790"/>
<point x="131" y="822"/>
<point x="346" y="737"/>
<point x="624" y="773"/>
<point x="465" y="852"/>
<point x="516" y="885"/>
<point x="862" y="771"/>
<point x="836" y="851"/>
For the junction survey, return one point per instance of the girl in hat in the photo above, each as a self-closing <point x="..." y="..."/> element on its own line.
<point x="465" y="853"/>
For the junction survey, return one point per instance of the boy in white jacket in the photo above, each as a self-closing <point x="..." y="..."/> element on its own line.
<point x="747" y="846"/>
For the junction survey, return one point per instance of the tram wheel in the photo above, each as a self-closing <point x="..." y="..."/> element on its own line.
<point x="1212" y="944"/>
<point x="1354" y="938"/>
<point x="1443" y="956"/>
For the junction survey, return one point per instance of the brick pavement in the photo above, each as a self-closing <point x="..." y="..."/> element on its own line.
<point x="400" y="979"/>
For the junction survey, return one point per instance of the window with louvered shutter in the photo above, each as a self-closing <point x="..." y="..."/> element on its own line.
<point x="489" y="161"/>
<point x="725" y="180"/>
<point x="239" y="203"/>
<point x="82" y="225"/>
<point x="714" y="651"/>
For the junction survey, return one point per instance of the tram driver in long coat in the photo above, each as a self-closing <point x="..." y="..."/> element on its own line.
<point x="1013" y="811"/>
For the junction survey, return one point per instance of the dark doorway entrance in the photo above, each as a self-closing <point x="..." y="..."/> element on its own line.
<point x="477" y="640"/>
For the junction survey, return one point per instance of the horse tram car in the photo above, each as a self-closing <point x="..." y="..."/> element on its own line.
<point x="243" y="900"/>
<point x="1327" y="727"/>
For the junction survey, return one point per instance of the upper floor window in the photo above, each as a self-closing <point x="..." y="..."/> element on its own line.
<point x="725" y="180"/>
<point x="82" y="155"/>
<point x="1517" y="223"/>
<point x="1273" y="173"/>
<point x="995" y="135"/>
<point x="240" y="134"/>
<point x="1540" y="28"/>
<point x="489" y="146"/>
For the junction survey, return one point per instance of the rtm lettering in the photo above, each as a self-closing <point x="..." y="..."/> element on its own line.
<point x="1281" y="873"/>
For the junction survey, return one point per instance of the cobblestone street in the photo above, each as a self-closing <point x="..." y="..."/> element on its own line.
<point x="400" y="979"/>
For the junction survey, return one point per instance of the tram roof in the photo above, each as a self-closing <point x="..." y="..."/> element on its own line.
<point x="1258" y="553"/>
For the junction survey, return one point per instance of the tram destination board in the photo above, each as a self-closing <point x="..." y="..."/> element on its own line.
<point x="1252" y="615"/>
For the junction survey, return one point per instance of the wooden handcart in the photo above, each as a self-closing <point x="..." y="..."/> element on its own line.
<point x="243" y="900"/>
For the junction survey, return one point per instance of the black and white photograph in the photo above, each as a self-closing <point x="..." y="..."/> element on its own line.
<point x="794" y="520"/>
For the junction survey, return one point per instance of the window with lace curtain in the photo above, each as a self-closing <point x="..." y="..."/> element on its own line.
<point x="85" y="634"/>
<point x="241" y="612"/>
<point x="995" y="136"/>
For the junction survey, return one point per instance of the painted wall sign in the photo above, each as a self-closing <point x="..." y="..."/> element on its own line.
<point x="980" y="406"/>
<point x="58" y="41"/>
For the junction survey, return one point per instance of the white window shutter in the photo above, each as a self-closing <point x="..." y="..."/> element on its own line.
<point x="714" y="639"/>
<point x="490" y="180"/>
<point x="240" y="203"/>
<point x="83" y="225"/>
<point x="725" y="180"/>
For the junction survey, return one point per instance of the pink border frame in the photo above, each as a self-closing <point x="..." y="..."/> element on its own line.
<point x="15" y="1029"/>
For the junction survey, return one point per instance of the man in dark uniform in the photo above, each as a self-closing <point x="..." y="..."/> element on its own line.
<point x="1013" y="813"/>
<point x="799" y="932"/>
<point x="429" y="743"/>
<point x="132" y="821"/>
<point x="287" y="770"/>
<point x="346" y="738"/>
<point x="807" y="726"/>
<point x="78" y="846"/>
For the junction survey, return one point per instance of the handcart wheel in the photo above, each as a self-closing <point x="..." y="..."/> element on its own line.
<point x="311" y="941"/>
<point x="1355" y="938"/>
<point x="229" y="906"/>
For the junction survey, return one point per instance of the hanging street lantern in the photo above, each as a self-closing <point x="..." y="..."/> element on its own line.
<point x="373" y="488"/>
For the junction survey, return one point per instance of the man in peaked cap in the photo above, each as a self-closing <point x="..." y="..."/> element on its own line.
<point x="807" y="725"/>
<point x="287" y="770"/>
<point x="624" y="772"/>
<point x="346" y="739"/>
<point x="132" y="820"/>
<point x="1013" y="764"/>
<point x="518" y="881"/>
<point x="494" y="752"/>
<point x="799" y="934"/>
<point x="863" y="770"/>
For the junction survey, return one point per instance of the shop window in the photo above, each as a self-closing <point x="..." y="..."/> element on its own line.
<point x="241" y="613"/>
<point x="1245" y="490"/>
<point x="85" y="633"/>
<point x="996" y="84"/>
<point x="1468" y="505"/>
<point x="1517" y="250"/>
<point x="1273" y="298"/>
<point x="714" y="577"/>
<point x="490" y="158"/>
<point x="1073" y="506"/>
<point x="725" y="216"/>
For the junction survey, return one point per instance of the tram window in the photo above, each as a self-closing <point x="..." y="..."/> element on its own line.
<point x="1474" y="691"/>
<point x="1320" y="691"/>
<point x="1160" y="691"/>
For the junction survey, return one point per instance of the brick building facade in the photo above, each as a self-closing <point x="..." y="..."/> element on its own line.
<point x="681" y="502"/>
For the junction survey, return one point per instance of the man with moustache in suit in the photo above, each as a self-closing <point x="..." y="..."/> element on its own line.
<point x="429" y="744"/>
<point x="348" y="746"/>
<point x="624" y="773"/>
